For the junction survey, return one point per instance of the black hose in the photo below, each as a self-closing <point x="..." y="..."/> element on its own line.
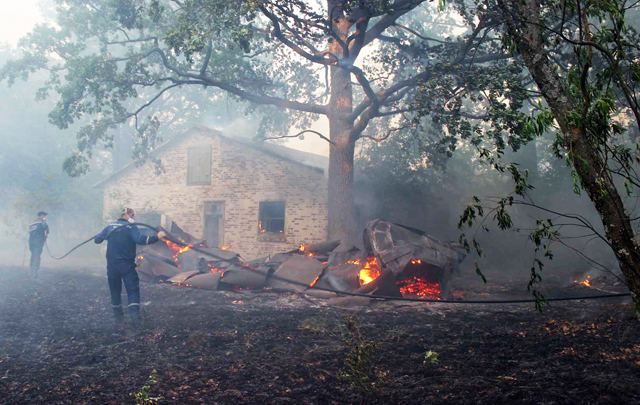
<point x="70" y="251"/>
<point x="355" y="294"/>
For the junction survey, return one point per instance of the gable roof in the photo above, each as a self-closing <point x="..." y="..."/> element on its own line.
<point x="310" y="160"/>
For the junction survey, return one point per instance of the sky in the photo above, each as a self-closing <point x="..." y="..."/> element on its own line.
<point x="17" y="19"/>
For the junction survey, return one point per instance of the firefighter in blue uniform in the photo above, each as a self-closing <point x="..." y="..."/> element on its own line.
<point x="122" y="239"/>
<point x="38" y="232"/>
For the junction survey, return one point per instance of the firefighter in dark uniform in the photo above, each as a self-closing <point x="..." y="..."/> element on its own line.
<point x="122" y="239"/>
<point x="38" y="232"/>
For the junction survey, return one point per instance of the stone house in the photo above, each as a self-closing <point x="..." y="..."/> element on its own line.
<point x="254" y="198"/>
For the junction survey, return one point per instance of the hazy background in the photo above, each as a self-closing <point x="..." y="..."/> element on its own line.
<point x="391" y="182"/>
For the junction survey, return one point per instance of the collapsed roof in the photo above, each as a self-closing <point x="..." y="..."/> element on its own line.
<point x="397" y="261"/>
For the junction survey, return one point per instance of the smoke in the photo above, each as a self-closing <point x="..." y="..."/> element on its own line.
<point x="433" y="198"/>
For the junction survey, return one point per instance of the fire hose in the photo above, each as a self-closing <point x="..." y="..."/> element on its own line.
<point x="245" y="266"/>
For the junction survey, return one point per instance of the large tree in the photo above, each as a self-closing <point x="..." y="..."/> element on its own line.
<point x="584" y="103"/>
<point x="573" y="67"/>
<point x="356" y="63"/>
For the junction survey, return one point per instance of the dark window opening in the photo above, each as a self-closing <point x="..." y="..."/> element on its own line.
<point x="213" y="223"/>
<point x="271" y="219"/>
<point x="199" y="165"/>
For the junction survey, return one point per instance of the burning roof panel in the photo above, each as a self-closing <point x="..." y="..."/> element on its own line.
<point x="398" y="261"/>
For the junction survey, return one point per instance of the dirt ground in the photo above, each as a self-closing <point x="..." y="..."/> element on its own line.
<point x="57" y="345"/>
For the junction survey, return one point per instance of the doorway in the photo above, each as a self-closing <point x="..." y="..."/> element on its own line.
<point x="214" y="223"/>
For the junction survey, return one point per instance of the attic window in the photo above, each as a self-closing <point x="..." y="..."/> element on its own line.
<point x="271" y="218"/>
<point x="199" y="165"/>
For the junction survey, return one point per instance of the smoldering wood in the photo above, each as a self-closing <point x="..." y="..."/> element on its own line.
<point x="181" y="278"/>
<point x="322" y="248"/>
<point x="205" y="281"/>
<point x="399" y="254"/>
<point x="238" y="277"/>
<point x="302" y="269"/>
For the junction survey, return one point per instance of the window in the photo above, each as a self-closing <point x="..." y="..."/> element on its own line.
<point x="213" y="223"/>
<point x="199" y="165"/>
<point x="271" y="219"/>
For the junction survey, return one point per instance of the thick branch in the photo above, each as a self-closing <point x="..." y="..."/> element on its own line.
<point x="301" y="133"/>
<point x="400" y="8"/>
<point x="206" y="80"/>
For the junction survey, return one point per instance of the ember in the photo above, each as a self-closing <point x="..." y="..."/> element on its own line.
<point x="314" y="282"/>
<point x="302" y="249"/>
<point x="419" y="287"/>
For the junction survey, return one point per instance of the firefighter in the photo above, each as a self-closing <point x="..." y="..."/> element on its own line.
<point x="122" y="238"/>
<point x="38" y="232"/>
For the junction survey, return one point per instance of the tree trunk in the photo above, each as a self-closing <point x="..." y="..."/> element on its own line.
<point x="523" y="21"/>
<point x="342" y="224"/>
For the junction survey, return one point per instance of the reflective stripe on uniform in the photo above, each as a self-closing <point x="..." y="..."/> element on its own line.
<point x="134" y="304"/>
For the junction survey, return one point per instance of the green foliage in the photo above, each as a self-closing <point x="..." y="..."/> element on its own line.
<point x="542" y="236"/>
<point x="430" y="358"/>
<point x="359" y="370"/>
<point x="495" y="107"/>
<point x="143" y="395"/>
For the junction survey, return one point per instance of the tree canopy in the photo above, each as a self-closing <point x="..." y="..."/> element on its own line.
<point x="358" y="63"/>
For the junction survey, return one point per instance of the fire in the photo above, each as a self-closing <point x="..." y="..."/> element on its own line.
<point x="315" y="280"/>
<point x="369" y="272"/>
<point x="225" y="247"/>
<point x="586" y="282"/>
<point x="416" y="261"/>
<point x="419" y="287"/>
<point x="302" y="249"/>
<point x="177" y="249"/>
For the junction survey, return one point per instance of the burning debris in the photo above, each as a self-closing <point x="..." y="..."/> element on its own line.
<point x="396" y="261"/>
<point x="607" y="282"/>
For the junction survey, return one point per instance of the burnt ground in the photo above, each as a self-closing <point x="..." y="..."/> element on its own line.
<point x="57" y="346"/>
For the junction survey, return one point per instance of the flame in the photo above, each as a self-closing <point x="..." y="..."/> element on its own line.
<point x="419" y="287"/>
<point x="302" y="249"/>
<point x="315" y="280"/>
<point x="416" y="261"/>
<point x="225" y="247"/>
<point x="177" y="249"/>
<point x="586" y="282"/>
<point x="369" y="272"/>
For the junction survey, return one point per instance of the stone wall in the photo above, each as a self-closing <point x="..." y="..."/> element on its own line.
<point x="242" y="176"/>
